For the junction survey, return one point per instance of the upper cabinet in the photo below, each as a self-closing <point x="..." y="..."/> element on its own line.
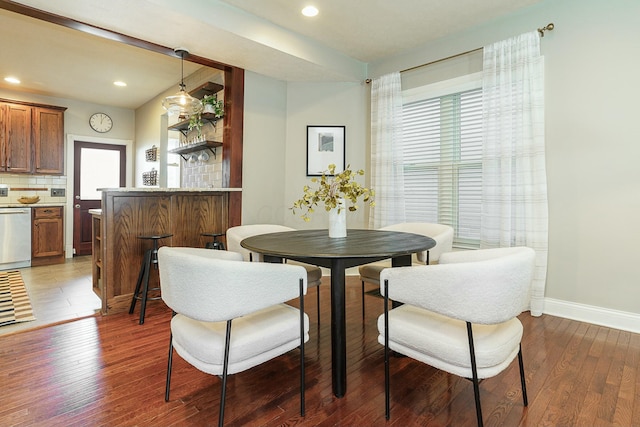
<point x="31" y="138"/>
<point x="48" y="140"/>
<point x="16" y="132"/>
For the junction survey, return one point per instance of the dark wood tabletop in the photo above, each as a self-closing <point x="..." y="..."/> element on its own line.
<point x="358" y="244"/>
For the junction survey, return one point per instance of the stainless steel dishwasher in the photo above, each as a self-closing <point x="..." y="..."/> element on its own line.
<point x="15" y="238"/>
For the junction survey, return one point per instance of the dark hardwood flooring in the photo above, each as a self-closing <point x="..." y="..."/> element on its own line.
<point x="110" y="371"/>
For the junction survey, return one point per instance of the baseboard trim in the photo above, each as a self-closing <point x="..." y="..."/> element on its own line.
<point x="622" y="320"/>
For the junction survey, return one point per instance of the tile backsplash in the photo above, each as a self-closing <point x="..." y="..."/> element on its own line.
<point x="201" y="173"/>
<point x="32" y="185"/>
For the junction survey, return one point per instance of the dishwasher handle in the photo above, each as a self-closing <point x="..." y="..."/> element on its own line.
<point x="11" y="211"/>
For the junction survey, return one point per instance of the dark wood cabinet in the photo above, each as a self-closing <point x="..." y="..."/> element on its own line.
<point x="48" y="141"/>
<point x="31" y="138"/>
<point x="16" y="130"/>
<point x="47" y="236"/>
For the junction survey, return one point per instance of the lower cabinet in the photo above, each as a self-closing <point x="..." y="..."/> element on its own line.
<point x="47" y="236"/>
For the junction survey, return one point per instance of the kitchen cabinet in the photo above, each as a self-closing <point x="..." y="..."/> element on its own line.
<point x="16" y="138"/>
<point x="48" y="140"/>
<point x="47" y="236"/>
<point x="31" y="138"/>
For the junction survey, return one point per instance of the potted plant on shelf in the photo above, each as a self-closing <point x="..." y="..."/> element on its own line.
<point x="334" y="190"/>
<point x="195" y="122"/>
<point x="213" y="105"/>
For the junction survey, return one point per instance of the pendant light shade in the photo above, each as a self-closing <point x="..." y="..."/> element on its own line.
<point x="182" y="104"/>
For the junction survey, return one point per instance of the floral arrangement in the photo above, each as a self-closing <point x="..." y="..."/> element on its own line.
<point x="333" y="187"/>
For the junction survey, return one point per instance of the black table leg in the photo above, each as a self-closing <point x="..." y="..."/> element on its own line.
<point x="338" y="328"/>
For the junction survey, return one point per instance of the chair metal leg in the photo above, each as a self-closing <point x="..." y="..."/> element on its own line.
<point x="387" y="406"/>
<point x="225" y="369"/>
<point x="302" y="367"/>
<point x="474" y="372"/>
<point x="522" y="379"/>
<point x="167" y="386"/>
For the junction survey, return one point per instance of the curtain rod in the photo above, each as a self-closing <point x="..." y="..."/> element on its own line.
<point x="548" y="27"/>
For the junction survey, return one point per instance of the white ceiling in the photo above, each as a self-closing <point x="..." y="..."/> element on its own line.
<point x="270" y="37"/>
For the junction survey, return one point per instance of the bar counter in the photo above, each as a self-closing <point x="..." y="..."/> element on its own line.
<point x="128" y="213"/>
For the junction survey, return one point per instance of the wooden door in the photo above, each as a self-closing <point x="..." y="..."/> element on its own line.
<point x="48" y="136"/>
<point x="17" y="137"/>
<point x="95" y="166"/>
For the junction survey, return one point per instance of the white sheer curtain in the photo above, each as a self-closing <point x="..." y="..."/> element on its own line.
<point x="386" y="151"/>
<point x="514" y="186"/>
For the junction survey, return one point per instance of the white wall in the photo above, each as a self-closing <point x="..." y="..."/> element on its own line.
<point x="275" y="144"/>
<point x="324" y="104"/>
<point x="592" y="61"/>
<point x="264" y="148"/>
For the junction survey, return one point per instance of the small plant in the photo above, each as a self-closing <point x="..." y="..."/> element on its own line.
<point x="195" y="122"/>
<point x="217" y="105"/>
<point x="333" y="187"/>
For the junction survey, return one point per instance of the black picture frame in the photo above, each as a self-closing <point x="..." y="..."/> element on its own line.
<point x="325" y="145"/>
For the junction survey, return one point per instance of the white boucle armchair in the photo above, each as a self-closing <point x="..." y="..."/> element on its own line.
<point x="442" y="234"/>
<point x="459" y="316"/>
<point x="231" y="315"/>
<point x="236" y="234"/>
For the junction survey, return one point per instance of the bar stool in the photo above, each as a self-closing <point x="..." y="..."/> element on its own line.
<point x="215" y="244"/>
<point x="142" y="285"/>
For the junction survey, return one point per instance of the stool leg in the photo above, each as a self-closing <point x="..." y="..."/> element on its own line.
<point x="143" y="304"/>
<point x="136" y="293"/>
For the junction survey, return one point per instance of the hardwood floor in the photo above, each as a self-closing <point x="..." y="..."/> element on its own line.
<point x="110" y="371"/>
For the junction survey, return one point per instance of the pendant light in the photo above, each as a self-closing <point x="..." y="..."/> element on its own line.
<point x="182" y="104"/>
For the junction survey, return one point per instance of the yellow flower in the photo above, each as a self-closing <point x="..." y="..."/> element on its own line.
<point x="331" y="188"/>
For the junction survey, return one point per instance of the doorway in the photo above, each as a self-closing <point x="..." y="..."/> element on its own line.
<point x="95" y="166"/>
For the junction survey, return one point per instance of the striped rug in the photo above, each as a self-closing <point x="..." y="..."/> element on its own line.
<point x="14" y="302"/>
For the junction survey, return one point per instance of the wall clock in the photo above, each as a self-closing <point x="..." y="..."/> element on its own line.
<point x="101" y="122"/>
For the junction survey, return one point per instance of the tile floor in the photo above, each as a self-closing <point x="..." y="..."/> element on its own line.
<point x="58" y="292"/>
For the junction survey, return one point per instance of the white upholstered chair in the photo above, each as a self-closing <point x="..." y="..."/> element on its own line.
<point x="442" y="234"/>
<point x="460" y="315"/>
<point x="238" y="233"/>
<point x="230" y="315"/>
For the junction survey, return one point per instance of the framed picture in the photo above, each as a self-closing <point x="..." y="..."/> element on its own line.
<point x="325" y="145"/>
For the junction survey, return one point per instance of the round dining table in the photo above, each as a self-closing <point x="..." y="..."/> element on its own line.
<point x="357" y="248"/>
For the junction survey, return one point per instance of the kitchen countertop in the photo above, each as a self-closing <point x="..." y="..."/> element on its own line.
<point x="169" y="190"/>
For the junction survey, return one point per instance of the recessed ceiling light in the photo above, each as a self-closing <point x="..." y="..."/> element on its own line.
<point x="310" y="11"/>
<point x="12" y="80"/>
<point x="119" y="83"/>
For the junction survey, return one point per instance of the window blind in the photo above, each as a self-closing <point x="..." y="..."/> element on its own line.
<point x="442" y="149"/>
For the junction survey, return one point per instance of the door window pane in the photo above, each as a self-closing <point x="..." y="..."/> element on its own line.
<point x="98" y="169"/>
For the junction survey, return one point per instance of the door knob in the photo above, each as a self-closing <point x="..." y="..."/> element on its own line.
<point x="77" y="206"/>
<point x="77" y="197"/>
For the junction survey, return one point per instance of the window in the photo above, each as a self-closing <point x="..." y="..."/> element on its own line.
<point x="442" y="148"/>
